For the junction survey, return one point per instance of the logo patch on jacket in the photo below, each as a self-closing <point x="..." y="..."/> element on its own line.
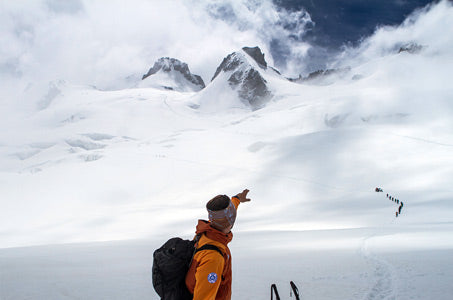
<point x="212" y="277"/>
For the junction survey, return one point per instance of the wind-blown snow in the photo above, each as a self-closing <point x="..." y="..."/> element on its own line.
<point x="81" y="165"/>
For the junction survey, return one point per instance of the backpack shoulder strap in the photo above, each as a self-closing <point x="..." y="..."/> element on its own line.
<point x="209" y="247"/>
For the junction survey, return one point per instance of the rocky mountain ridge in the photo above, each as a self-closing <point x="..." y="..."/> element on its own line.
<point x="179" y="73"/>
<point x="245" y="77"/>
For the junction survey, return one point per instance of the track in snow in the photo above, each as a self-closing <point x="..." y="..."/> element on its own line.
<point x="383" y="287"/>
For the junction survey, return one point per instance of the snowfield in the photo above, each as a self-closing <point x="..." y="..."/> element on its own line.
<point x="93" y="181"/>
<point x="390" y="262"/>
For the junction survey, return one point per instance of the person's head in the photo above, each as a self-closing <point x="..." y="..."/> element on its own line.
<point x="222" y="213"/>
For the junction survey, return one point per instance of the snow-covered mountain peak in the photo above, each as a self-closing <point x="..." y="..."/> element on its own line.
<point x="257" y="55"/>
<point x="172" y="74"/>
<point x="245" y="72"/>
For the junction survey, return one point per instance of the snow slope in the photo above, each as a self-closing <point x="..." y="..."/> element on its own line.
<point x="110" y="175"/>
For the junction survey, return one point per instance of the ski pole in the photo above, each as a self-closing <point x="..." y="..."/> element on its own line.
<point x="274" y="289"/>
<point x="295" y="290"/>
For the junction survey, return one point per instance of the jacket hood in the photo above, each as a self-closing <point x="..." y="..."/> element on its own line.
<point x="204" y="227"/>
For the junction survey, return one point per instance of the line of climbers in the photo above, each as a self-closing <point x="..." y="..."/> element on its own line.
<point x="397" y="201"/>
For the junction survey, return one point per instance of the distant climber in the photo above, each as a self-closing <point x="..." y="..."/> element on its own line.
<point x="379" y="190"/>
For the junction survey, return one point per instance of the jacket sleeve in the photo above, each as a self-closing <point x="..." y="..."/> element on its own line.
<point x="208" y="276"/>
<point x="235" y="201"/>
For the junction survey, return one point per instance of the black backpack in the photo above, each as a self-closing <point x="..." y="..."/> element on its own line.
<point x="170" y="265"/>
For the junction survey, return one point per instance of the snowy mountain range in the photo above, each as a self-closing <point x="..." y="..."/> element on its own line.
<point x="243" y="71"/>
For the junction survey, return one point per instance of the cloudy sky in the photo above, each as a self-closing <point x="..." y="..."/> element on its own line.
<point x="104" y="43"/>
<point x="100" y="42"/>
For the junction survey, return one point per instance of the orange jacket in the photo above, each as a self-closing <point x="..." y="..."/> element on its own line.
<point x="210" y="275"/>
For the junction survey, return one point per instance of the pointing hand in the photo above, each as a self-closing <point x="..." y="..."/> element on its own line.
<point x="243" y="196"/>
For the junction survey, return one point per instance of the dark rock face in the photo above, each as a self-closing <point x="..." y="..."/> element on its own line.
<point x="249" y="83"/>
<point x="167" y="64"/>
<point x="229" y="63"/>
<point x="257" y="55"/>
<point x="254" y="89"/>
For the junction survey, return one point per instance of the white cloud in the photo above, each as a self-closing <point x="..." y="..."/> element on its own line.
<point x="429" y="27"/>
<point x="100" y="43"/>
